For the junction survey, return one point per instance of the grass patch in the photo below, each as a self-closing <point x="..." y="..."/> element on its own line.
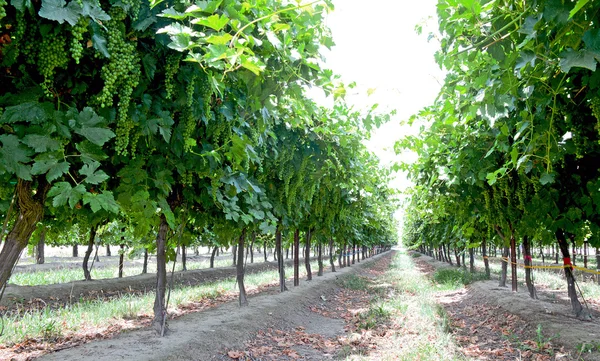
<point x="355" y="282"/>
<point x="94" y="315"/>
<point x="409" y="304"/>
<point x="68" y="274"/>
<point x="453" y="278"/>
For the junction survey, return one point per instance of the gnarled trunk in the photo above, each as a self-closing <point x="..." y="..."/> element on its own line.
<point x="160" y="313"/>
<point x="88" y="252"/>
<point x="252" y="247"/>
<point x="320" y="258"/>
<point x="145" y="265"/>
<point x="40" y="258"/>
<point x="572" y="291"/>
<point x="307" y="256"/>
<point x="240" y="270"/>
<point x="471" y="260"/>
<point x="513" y="260"/>
<point x="31" y="210"/>
<point x="504" y="272"/>
<point x="331" y="262"/>
<point x="528" y="263"/>
<point x="234" y="254"/>
<point x="280" y="264"/>
<point x="212" y="256"/>
<point x="296" y="257"/>
<point x="121" y="260"/>
<point x="486" y="261"/>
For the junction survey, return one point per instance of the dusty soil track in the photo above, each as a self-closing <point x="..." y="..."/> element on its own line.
<point x="521" y="314"/>
<point x="207" y="335"/>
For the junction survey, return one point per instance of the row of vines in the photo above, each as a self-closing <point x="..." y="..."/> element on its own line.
<point x="157" y="124"/>
<point x="509" y="153"/>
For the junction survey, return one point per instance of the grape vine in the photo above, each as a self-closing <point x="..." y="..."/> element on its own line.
<point x="77" y="32"/>
<point x="51" y="55"/>
<point x="121" y="75"/>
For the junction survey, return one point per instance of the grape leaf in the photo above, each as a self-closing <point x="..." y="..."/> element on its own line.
<point x="582" y="58"/>
<point x="30" y="112"/>
<point x="547" y="178"/>
<point x="41" y="143"/>
<point x="215" y="22"/>
<point x="13" y="155"/>
<point x="63" y="193"/>
<point x="104" y="200"/>
<point x="58" y="10"/>
<point x="93" y="175"/>
<point x="94" y="11"/>
<point x="57" y="170"/>
<point x="90" y="151"/>
<point x="98" y="136"/>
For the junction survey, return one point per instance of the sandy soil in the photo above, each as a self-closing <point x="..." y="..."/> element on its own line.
<point x="519" y="316"/>
<point x="208" y="335"/>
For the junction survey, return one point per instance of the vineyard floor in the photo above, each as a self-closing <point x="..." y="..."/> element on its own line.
<point x="65" y="293"/>
<point x="216" y="333"/>
<point x="492" y="322"/>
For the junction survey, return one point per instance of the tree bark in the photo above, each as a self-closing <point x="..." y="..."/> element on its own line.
<point x="183" y="258"/>
<point x="320" y="257"/>
<point x="160" y="312"/>
<point x="88" y="252"/>
<point x="252" y="247"/>
<point x="513" y="260"/>
<point x="486" y="261"/>
<point x="265" y="250"/>
<point x="585" y="254"/>
<point x="40" y="258"/>
<point x="457" y="256"/>
<point x="212" y="256"/>
<point x="296" y="257"/>
<point x="504" y="272"/>
<point x="145" y="265"/>
<point x="331" y="261"/>
<point x="353" y="252"/>
<point x="280" y="264"/>
<point x="471" y="260"/>
<point x="578" y="310"/>
<point x="121" y="259"/>
<point x="108" y="250"/>
<point x="30" y="204"/>
<point x="598" y="265"/>
<point x="308" y="237"/>
<point x="240" y="270"/>
<point x="528" y="269"/>
<point x="347" y="251"/>
<point x="75" y="251"/>
<point x="234" y="254"/>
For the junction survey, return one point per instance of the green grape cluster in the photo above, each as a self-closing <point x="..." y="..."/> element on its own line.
<point x="171" y="69"/>
<point x="134" y="7"/>
<point x="3" y="3"/>
<point x="121" y="76"/>
<point x="188" y="114"/>
<point x="205" y="92"/>
<point x="51" y="55"/>
<point x="595" y="107"/>
<point x="77" y="32"/>
<point x="187" y="179"/>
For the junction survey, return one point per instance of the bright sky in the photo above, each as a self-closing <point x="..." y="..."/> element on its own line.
<point x="378" y="48"/>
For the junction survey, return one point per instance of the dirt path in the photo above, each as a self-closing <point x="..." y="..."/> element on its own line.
<point x="208" y="335"/>
<point x="494" y="322"/>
